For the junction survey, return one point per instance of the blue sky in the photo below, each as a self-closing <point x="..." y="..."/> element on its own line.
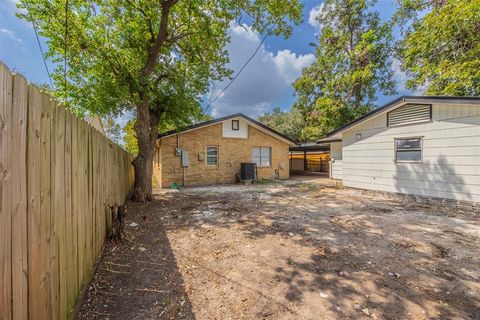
<point x="264" y="84"/>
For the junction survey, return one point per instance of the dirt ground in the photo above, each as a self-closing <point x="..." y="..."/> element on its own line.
<point x="296" y="250"/>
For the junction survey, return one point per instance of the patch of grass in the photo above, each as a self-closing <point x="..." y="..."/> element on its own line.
<point x="306" y="187"/>
<point x="264" y="181"/>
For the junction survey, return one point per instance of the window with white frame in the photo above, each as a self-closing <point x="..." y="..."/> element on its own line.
<point x="408" y="149"/>
<point x="262" y="156"/>
<point x="212" y="155"/>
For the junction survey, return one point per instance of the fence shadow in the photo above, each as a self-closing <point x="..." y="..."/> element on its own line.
<point x="139" y="278"/>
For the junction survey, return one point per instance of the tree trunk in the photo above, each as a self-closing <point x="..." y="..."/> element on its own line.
<point x="146" y="130"/>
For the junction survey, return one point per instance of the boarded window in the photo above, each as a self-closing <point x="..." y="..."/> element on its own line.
<point x="408" y="150"/>
<point x="410" y="113"/>
<point x="212" y="156"/>
<point x="262" y="156"/>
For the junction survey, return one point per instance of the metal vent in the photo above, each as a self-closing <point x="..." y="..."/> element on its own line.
<point x="410" y="113"/>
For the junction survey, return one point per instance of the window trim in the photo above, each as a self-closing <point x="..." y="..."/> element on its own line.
<point x="207" y="156"/>
<point x="413" y="149"/>
<point x="270" y="156"/>
<point x="238" y="125"/>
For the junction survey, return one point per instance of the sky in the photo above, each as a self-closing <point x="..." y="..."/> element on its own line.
<point x="265" y="83"/>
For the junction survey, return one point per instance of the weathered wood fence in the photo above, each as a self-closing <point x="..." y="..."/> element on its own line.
<point x="57" y="177"/>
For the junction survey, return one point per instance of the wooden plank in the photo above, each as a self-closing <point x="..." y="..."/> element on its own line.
<point x="75" y="204"/>
<point x="59" y="205"/>
<point x="5" y="193"/>
<point x="70" y="259"/>
<point x="19" y="199"/>
<point x="35" y="297"/>
<point x="55" y="199"/>
<point x="45" y="201"/>
<point x="82" y="192"/>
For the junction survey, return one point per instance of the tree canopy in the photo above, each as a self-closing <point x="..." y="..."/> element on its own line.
<point x="441" y="48"/>
<point x="155" y="57"/>
<point x="289" y="123"/>
<point x="353" y="64"/>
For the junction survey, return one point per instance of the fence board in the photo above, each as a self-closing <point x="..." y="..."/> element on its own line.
<point x="45" y="201"/>
<point x="33" y="206"/>
<point x="60" y="210"/>
<point x="57" y="177"/>
<point x="5" y="193"/>
<point x="19" y="199"/>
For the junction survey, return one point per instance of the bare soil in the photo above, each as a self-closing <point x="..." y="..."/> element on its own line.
<point x="291" y="250"/>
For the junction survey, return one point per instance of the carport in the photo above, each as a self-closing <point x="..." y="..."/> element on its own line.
<point x="309" y="157"/>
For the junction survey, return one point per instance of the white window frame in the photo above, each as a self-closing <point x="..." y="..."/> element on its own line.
<point x="408" y="149"/>
<point x="259" y="165"/>
<point x="210" y="156"/>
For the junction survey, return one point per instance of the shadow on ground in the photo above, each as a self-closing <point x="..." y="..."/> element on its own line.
<point x="138" y="278"/>
<point x="290" y="252"/>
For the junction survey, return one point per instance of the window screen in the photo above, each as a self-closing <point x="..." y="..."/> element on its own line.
<point x="212" y="156"/>
<point x="408" y="150"/>
<point x="262" y="156"/>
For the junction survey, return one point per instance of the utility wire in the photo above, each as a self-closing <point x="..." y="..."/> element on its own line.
<point x="41" y="50"/>
<point x="65" y="55"/>
<point x="239" y="71"/>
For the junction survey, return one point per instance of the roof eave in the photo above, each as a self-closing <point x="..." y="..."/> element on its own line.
<point x="402" y="100"/>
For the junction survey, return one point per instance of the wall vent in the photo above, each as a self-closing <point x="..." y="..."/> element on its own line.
<point x="408" y="114"/>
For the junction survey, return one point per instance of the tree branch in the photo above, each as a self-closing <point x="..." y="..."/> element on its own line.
<point x="147" y="18"/>
<point x="159" y="40"/>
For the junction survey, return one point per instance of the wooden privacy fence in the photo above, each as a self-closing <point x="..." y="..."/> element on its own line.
<point x="58" y="175"/>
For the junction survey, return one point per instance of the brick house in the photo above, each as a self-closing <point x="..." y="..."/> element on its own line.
<point x="211" y="152"/>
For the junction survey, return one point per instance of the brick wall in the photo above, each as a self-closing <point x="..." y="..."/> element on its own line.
<point x="232" y="152"/>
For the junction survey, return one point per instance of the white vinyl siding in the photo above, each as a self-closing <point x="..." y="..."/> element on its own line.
<point x="408" y="114"/>
<point x="228" y="130"/>
<point x="336" y="165"/>
<point x="450" y="152"/>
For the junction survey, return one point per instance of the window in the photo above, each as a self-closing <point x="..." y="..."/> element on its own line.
<point x="212" y="156"/>
<point x="235" y="125"/>
<point x="262" y="156"/>
<point x="408" y="150"/>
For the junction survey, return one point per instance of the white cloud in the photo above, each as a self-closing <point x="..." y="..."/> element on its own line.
<point x="289" y="64"/>
<point x="401" y="79"/>
<point x="9" y="33"/>
<point x="314" y="13"/>
<point x="263" y="82"/>
<point x="399" y="76"/>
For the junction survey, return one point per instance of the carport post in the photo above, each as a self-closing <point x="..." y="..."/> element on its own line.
<point x="304" y="160"/>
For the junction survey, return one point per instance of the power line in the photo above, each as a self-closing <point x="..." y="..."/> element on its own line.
<point x="239" y="71"/>
<point x="41" y="49"/>
<point x="65" y="54"/>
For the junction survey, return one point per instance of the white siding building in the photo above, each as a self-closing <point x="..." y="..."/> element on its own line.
<point x="428" y="146"/>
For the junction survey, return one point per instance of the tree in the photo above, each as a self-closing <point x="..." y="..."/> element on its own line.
<point x="155" y="57"/>
<point x="112" y="130"/>
<point x="289" y="123"/>
<point x="130" y="138"/>
<point x="353" y="64"/>
<point x="441" y="49"/>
